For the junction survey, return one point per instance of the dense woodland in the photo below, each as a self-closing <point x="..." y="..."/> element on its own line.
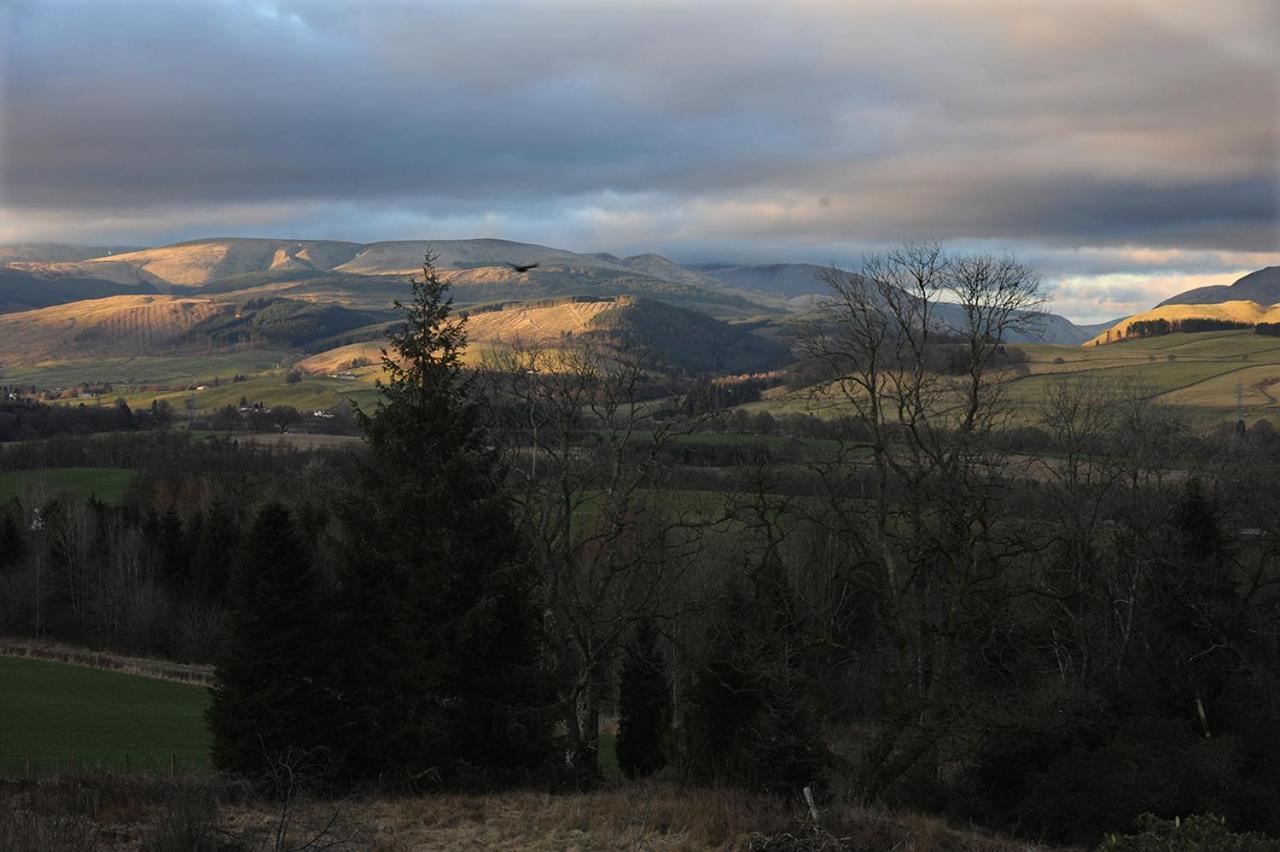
<point x="1047" y="627"/>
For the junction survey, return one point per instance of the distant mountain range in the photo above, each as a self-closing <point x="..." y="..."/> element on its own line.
<point x="364" y="279"/>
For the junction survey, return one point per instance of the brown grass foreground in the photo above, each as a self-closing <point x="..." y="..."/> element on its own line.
<point x="115" y="813"/>
<point x="56" y="652"/>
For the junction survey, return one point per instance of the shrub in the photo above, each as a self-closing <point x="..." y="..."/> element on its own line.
<point x="1201" y="833"/>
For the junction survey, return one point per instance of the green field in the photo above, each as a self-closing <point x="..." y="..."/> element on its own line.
<point x="1211" y="376"/>
<point x="108" y="484"/>
<point x="51" y="711"/>
<point x="144" y="370"/>
<point x="271" y="389"/>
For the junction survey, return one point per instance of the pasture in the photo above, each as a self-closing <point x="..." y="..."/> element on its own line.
<point x="1211" y="376"/>
<point x="107" y="484"/>
<point x="271" y="389"/>
<point x="52" y="711"/>
<point x="143" y="369"/>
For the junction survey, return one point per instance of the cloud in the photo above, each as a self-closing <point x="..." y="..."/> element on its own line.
<point x="1070" y="129"/>
<point x="1099" y="298"/>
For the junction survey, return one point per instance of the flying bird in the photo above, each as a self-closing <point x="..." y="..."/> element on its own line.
<point x="524" y="268"/>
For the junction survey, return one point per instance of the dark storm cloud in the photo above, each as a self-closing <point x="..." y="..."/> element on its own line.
<point x="112" y="104"/>
<point x="814" y="128"/>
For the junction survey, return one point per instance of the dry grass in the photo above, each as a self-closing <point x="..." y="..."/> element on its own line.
<point x="299" y="440"/>
<point x="195" y="263"/>
<point x="117" y="324"/>
<point x="651" y="817"/>
<point x="38" y="649"/>
<point x="541" y="325"/>
<point x="190" y="813"/>
<point x="1235" y="311"/>
<point x="340" y="359"/>
<point x="534" y="325"/>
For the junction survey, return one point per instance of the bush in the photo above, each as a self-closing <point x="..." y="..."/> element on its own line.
<point x="1201" y="833"/>
<point x="1149" y="765"/>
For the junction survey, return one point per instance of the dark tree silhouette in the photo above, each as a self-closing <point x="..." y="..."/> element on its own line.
<point x="439" y="670"/>
<point x="268" y="697"/>
<point x="644" y="705"/>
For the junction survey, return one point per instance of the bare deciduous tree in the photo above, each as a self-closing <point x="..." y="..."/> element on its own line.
<point x="587" y="466"/>
<point x="933" y="550"/>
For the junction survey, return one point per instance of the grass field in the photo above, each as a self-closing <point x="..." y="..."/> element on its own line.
<point x="1211" y="376"/>
<point x="108" y="484"/>
<point x="51" y="711"/>
<point x="143" y="370"/>
<point x="271" y="389"/>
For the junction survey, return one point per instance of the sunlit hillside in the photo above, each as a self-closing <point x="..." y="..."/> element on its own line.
<point x="1241" y="311"/>
<point x="116" y="325"/>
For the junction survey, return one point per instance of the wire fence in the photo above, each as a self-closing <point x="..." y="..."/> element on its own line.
<point x="34" y="767"/>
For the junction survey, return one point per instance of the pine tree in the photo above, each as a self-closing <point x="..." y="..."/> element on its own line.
<point x="440" y="678"/>
<point x="267" y="712"/>
<point x="644" y="706"/>
<point x="12" y="542"/>
<point x="215" y="545"/>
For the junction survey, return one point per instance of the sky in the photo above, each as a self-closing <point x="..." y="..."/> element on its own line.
<point x="1126" y="149"/>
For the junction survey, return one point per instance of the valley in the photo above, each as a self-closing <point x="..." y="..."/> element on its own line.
<point x="302" y="323"/>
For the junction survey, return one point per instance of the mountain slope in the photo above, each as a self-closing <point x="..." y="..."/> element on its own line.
<point x="780" y="279"/>
<point x="118" y="325"/>
<point x="687" y="339"/>
<point x="169" y="325"/>
<point x="404" y="257"/>
<point x="679" y="338"/>
<point x="1238" y="311"/>
<point x="198" y="261"/>
<point x="369" y="276"/>
<point x="803" y="283"/>
<point x="21" y="291"/>
<point x="55" y="252"/>
<point x="1262" y="286"/>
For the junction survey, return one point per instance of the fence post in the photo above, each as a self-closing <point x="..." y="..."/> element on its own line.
<point x="173" y="765"/>
<point x="126" y="762"/>
<point x="28" y="762"/>
<point x="73" y="764"/>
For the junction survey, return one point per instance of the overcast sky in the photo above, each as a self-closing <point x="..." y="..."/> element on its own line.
<point x="1127" y="149"/>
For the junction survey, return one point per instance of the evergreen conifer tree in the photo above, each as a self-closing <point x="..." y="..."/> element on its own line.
<point x="439" y="675"/>
<point x="12" y="543"/>
<point x="644" y="706"/>
<point x="268" y="696"/>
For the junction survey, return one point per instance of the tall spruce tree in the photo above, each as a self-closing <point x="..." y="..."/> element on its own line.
<point x="267" y="715"/>
<point x="12" y="543"/>
<point x="644" y="705"/>
<point x="439" y="675"/>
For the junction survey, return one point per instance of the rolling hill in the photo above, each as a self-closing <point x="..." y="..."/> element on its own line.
<point x="1241" y="311"/>
<point x="371" y="276"/>
<point x="21" y="291"/>
<point x="803" y="284"/>
<point x="167" y="325"/>
<point x="117" y="325"/>
<point x="781" y="279"/>
<point x="1262" y="286"/>
<point x="680" y="338"/>
<point x="196" y="262"/>
<point x="55" y="252"/>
